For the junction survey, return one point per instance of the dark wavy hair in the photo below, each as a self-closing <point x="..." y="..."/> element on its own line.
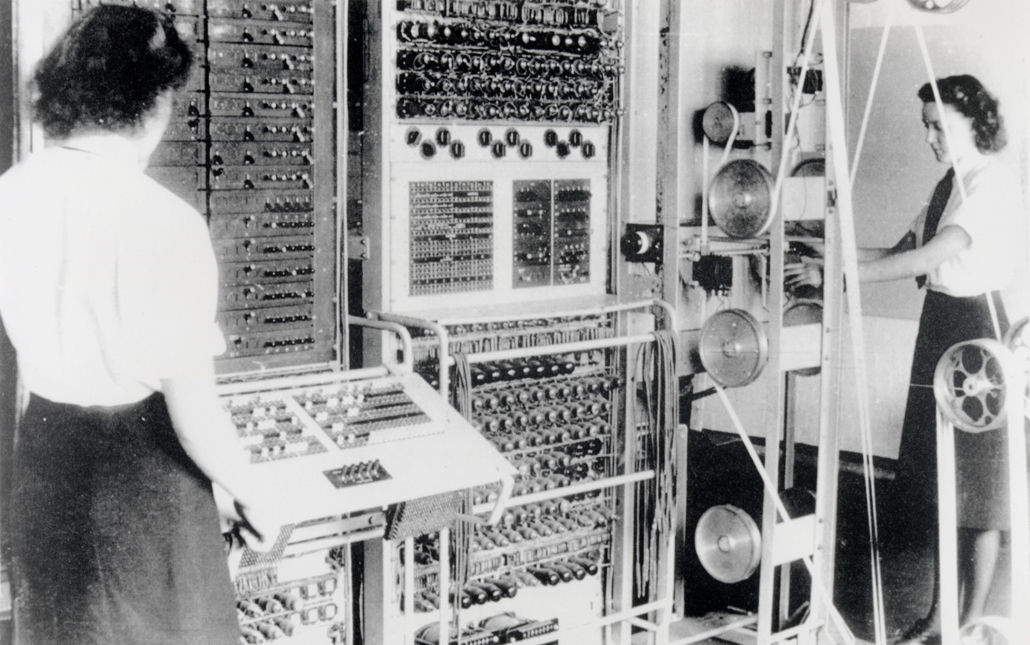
<point x="107" y="71"/>
<point x="971" y="99"/>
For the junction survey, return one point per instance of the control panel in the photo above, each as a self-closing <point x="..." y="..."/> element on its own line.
<point x="491" y="126"/>
<point x="339" y="445"/>
<point x="252" y="147"/>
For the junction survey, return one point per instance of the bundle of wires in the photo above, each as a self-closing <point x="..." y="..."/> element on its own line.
<point x="661" y="394"/>
<point x="461" y="537"/>
<point x="462" y="540"/>
<point x="461" y="386"/>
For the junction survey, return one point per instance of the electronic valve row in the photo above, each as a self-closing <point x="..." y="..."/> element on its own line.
<point x="530" y="62"/>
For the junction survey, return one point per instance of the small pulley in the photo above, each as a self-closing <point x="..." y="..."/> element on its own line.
<point x="938" y="6"/>
<point x="733" y="347"/>
<point x="971" y="383"/>
<point x="719" y="121"/>
<point x="728" y="543"/>
<point x="740" y="198"/>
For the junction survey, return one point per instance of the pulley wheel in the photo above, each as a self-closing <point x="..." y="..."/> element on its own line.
<point x="718" y="120"/>
<point x="740" y="198"/>
<point x="804" y="312"/>
<point x="938" y="6"/>
<point x="970" y="384"/>
<point x="733" y="347"/>
<point x="728" y="543"/>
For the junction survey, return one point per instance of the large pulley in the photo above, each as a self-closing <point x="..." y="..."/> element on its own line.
<point x="740" y="198"/>
<point x="733" y="347"/>
<point x="728" y="543"/>
<point x="971" y="383"/>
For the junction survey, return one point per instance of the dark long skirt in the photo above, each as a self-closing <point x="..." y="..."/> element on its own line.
<point x="981" y="463"/>
<point x="115" y="532"/>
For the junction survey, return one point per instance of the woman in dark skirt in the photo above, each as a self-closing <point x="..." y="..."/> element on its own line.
<point x="964" y="248"/>
<point x="108" y="289"/>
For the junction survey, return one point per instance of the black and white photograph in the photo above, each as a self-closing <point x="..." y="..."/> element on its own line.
<point x="475" y="322"/>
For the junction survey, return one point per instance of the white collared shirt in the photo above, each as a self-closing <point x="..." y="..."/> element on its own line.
<point x="992" y="215"/>
<point x="108" y="281"/>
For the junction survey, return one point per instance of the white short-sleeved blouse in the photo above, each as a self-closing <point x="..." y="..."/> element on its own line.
<point x="991" y="214"/>
<point x="108" y="281"/>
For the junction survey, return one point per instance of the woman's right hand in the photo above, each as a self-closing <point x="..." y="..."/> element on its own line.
<point x="808" y="272"/>
<point x="258" y="527"/>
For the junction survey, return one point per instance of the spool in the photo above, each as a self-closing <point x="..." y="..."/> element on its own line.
<point x="719" y="120"/>
<point x="804" y="312"/>
<point x="740" y="198"/>
<point x="728" y="543"/>
<point x="971" y="381"/>
<point x="733" y="347"/>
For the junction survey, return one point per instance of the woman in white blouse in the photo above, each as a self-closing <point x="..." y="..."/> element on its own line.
<point x="108" y="290"/>
<point x="964" y="248"/>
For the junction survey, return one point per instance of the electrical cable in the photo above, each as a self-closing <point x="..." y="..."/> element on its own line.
<point x="461" y="385"/>
<point x="661" y="394"/>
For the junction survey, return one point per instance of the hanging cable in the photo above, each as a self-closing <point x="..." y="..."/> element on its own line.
<point x="661" y="394"/>
<point x="461" y="385"/>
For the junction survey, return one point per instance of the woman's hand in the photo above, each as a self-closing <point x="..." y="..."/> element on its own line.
<point x="809" y="272"/>
<point x="258" y="527"/>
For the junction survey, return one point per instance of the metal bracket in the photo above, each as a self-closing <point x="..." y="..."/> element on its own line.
<point x="357" y="247"/>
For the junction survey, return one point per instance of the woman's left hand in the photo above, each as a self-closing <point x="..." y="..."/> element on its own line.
<point x="808" y="272"/>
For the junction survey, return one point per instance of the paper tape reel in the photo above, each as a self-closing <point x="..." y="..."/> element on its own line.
<point x="728" y="543"/>
<point x="740" y="198"/>
<point x="971" y="383"/>
<point x="733" y="347"/>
